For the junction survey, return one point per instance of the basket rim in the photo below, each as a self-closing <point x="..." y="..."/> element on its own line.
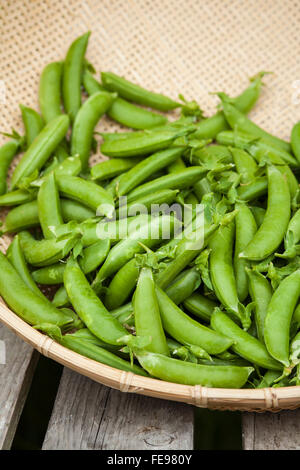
<point x="264" y="399"/>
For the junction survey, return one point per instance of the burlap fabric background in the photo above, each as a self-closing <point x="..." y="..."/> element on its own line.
<point x="191" y="47"/>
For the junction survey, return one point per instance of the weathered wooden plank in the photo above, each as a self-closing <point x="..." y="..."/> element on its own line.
<point x="17" y="365"/>
<point x="88" y="415"/>
<point x="271" y="431"/>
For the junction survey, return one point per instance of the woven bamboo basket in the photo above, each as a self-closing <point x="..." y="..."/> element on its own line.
<point x="191" y="47"/>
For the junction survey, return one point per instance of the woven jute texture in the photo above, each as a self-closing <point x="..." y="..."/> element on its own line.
<point x="192" y="47"/>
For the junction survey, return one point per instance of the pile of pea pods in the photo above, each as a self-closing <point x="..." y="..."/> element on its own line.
<point x="214" y="302"/>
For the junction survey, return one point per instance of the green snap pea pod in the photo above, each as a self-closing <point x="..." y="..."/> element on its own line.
<point x="148" y="321"/>
<point x="180" y="180"/>
<point x="261" y="293"/>
<point x="130" y="115"/>
<point x="245" y="229"/>
<point x="188" y="331"/>
<point x="201" y="188"/>
<point x="244" y="344"/>
<point x="184" y="285"/>
<point x="210" y="127"/>
<point x="279" y="317"/>
<point x="221" y="268"/>
<point x="259" y="214"/>
<point x="33" y="124"/>
<point x="149" y="234"/>
<point x="135" y="93"/>
<point x="7" y="152"/>
<point x="49" y="209"/>
<point x="111" y="168"/>
<point x="91" y="258"/>
<point x="210" y="154"/>
<point x="124" y="314"/>
<point x="85" y="334"/>
<point x="22" y="217"/>
<point x="150" y="202"/>
<point x="61" y="298"/>
<point x="15" y="256"/>
<point x="245" y="164"/>
<point x="179" y="351"/>
<point x="89" y="307"/>
<point x="50" y="91"/>
<point x="72" y="71"/>
<point x="253" y="190"/>
<point x="295" y="140"/>
<point x="44" y="252"/>
<point x="86" y="119"/>
<point x="238" y="121"/>
<point x="139" y="173"/>
<point x="122" y="285"/>
<point x="31" y="307"/>
<point x="72" y="210"/>
<point x="86" y="192"/>
<point x="40" y="149"/>
<point x="188" y="373"/>
<point x="17" y="197"/>
<point x="71" y="166"/>
<point x="140" y="144"/>
<point x="254" y="146"/>
<point x="200" y="306"/>
<point x="271" y="233"/>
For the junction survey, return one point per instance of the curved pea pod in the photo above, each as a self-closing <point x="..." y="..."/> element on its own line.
<point x="184" y="285"/>
<point x="295" y="140"/>
<point x="135" y="93"/>
<point x="241" y="123"/>
<point x="245" y="229"/>
<point x="91" y="258"/>
<point x="49" y="209"/>
<point x="86" y="192"/>
<point x="279" y="317"/>
<point x="22" y="217"/>
<point x="268" y="379"/>
<point x="141" y="143"/>
<point x="200" y="306"/>
<point x="177" y="166"/>
<point x="210" y="127"/>
<point x="61" y="298"/>
<point x="124" y="314"/>
<point x="33" y="123"/>
<point x="122" y="285"/>
<point x="148" y="321"/>
<point x="7" y="153"/>
<point x="181" y="180"/>
<point x="112" y="168"/>
<point x="73" y="210"/>
<point x="16" y="257"/>
<point x="188" y="331"/>
<point x="44" y="252"/>
<point x="261" y="293"/>
<point x="253" y="190"/>
<point x="254" y="146"/>
<point x="17" y="197"/>
<point x="30" y="306"/>
<point x="148" y="234"/>
<point x="89" y="307"/>
<point x="130" y="115"/>
<point x="146" y="168"/>
<point x="86" y="119"/>
<point x="222" y="272"/>
<point x="72" y="71"/>
<point x="188" y="373"/>
<point x="40" y="149"/>
<point x="50" y="90"/>
<point x="152" y="202"/>
<point x="271" y="233"/>
<point x="83" y="345"/>
<point x="70" y="166"/>
<point x="245" y="164"/>
<point x="244" y="344"/>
